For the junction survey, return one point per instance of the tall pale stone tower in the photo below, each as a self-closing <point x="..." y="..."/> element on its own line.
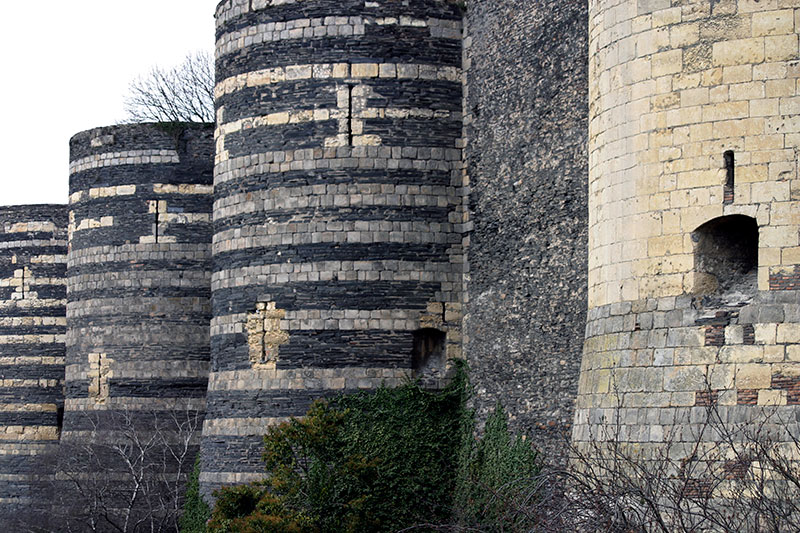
<point x="694" y="263"/>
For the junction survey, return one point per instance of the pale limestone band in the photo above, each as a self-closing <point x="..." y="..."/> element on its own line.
<point x="280" y="273"/>
<point x="301" y="378"/>
<point x="28" y="433"/>
<point x="97" y="307"/>
<point x="317" y="115"/>
<point x="32" y="339"/>
<point x="30" y="321"/>
<point x="36" y="383"/>
<point x="269" y="76"/>
<point x="29" y="407"/>
<point x="334" y="195"/>
<point x="30" y="304"/>
<point x="322" y="319"/>
<point x="133" y="278"/>
<point x="143" y="370"/>
<point x="126" y="403"/>
<point x="33" y="243"/>
<point x="23" y="278"/>
<point x="26" y="227"/>
<point x="102" y="192"/>
<point x="230" y="478"/>
<point x="426" y="234"/>
<point x="234" y="427"/>
<point x="131" y="157"/>
<point x="126" y="190"/>
<point x="138" y="252"/>
<point x="358" y="157"/>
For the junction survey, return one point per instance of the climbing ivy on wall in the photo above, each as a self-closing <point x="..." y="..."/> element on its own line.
<point x="377" y="461"/>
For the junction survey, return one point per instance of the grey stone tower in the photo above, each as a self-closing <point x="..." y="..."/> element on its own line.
<point x="138" y="281"/>
<point x="33" y="263"/>
<point x="337" y="246"/>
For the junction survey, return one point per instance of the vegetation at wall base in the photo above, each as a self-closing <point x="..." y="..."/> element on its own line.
<point x="495" y="478"/>
<point x="196" y="511"/>
<point x="385" y="460"/>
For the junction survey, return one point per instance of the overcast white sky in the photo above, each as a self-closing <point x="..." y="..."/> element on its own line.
<point x="66" y="67"/>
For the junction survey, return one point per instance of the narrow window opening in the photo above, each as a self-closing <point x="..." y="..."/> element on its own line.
<point x="350" y="115"/>
<point x="59" y="418"/>
<point x="727" y="197"/>
<point x="155" y="230"/>
<point x="726" y="256"/>
<point x="428" y="353"/>
<point x="23" y="282"/>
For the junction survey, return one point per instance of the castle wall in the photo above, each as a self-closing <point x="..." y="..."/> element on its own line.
<point x="694" y="217"/>
<point x="337" y="245"/>
<point x="33" y="263"/>
<point x="526" y="120"/>
<point x="139" y="269"/>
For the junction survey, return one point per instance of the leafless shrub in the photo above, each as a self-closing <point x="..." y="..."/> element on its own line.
<point x="732" y="478"/>
<point x="184" y="93"/>
<point x="127" y="476"/>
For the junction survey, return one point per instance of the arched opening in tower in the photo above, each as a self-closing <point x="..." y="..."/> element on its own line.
<point x="428" y="355"/>
<point x="726" y="256"/>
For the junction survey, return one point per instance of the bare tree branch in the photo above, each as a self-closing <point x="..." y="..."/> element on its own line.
<point x="184" y="93"/>
<point x="129" y="476"/>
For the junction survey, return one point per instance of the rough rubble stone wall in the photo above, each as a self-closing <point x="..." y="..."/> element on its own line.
<point x="33" y="264"/>
<point x="337" y="245"/>
<point x="139" y="276"/>
<point x="526" y="121"/>
<point x="675" y="85"/>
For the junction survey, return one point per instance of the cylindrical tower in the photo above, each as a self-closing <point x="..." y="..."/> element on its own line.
<point x="337" y="245"/>
<point x="33" y="259"/>
<point x="694" y="263"/>
<point x="138" y="287"/>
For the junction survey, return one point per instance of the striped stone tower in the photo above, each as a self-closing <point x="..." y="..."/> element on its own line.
<point x="694" y="206"/>
<point x="337" y="245"/>
<point x="33" y="241"/>
<point x="138" y="284"/>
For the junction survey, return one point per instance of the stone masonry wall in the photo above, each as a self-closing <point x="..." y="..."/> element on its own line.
<point x="138" y="282"/>
<point x="525" y="150"/>
<point x="694" y="220"/>
<point x="337" y="245"/>
<point x="33" y="262"/>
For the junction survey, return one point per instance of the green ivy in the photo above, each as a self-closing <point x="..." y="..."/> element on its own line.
<point x="195" y="510"/>
<point x="371" y="461"/>
<point x="496" y="477"/>
<point x="383" y="461"/>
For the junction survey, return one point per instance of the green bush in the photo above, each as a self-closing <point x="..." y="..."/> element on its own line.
<point x="195" y="510"/>
<point x="383" y="461"/>
<point x="371" y="461"/>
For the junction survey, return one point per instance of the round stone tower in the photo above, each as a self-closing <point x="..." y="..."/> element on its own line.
<point x="337" y="245"/>
<point x="694" y="195"/>
<point x="138" y="283"/>
<point x="33" y="259"/>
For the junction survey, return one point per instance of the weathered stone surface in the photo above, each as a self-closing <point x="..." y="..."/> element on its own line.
<point x="526" y="116"/>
